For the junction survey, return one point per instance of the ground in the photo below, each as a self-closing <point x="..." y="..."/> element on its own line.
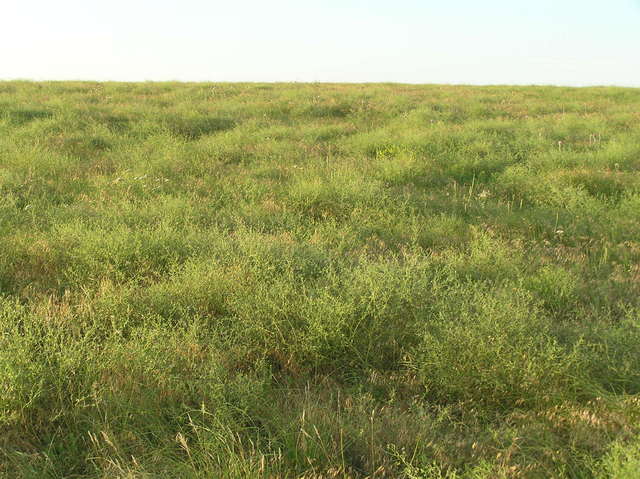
<point x="319" y="280"/>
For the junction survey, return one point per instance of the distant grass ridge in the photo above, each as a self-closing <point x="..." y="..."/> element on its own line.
<point x="318" y="280"/>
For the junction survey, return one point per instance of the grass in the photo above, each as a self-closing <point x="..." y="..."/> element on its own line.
<point x="297" y="280"/>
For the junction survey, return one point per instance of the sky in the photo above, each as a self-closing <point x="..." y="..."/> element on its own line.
<point x="560" y="42"/>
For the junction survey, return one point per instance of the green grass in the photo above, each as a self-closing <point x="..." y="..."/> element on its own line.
<point x="297" y="280"/>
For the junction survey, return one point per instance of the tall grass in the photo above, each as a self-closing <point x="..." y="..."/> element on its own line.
<point x="299" y="280"/>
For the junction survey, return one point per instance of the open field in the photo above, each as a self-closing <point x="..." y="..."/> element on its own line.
<point x="296" y="280"/>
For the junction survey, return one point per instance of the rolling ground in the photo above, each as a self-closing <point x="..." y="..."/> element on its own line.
<point x="297" y="280"/>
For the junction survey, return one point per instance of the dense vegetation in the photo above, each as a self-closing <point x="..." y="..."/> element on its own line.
<point x="258" y="280"/>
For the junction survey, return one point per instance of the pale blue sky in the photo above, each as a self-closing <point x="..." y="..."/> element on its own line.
<point x="566" y="42"/>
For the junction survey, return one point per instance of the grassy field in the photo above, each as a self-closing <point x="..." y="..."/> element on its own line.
<point x="297" y="280"/>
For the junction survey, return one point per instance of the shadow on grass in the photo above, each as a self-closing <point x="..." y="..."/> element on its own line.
<point x="22" y="117"/>
<point x="192" y="128"/>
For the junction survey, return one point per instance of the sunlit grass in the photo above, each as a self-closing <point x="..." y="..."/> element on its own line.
<point x="299" y="280"/>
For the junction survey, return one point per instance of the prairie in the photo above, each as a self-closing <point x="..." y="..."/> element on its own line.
<point x="319" y="280"/>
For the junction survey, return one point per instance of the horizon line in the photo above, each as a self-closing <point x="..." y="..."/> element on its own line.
<point x="321" y="82"/>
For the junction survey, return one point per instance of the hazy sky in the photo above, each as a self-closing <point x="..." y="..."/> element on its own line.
<point x="569" y="42"/>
